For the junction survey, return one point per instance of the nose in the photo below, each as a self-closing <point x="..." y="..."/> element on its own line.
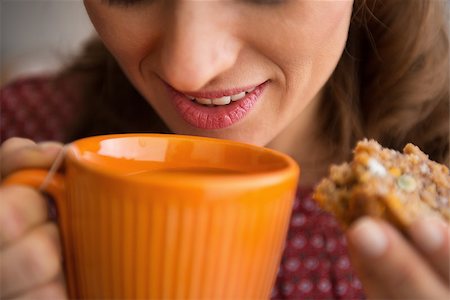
<point x="197" y="46"/>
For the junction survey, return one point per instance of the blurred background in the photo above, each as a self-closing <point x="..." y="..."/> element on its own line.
<point x="39" y="36"/>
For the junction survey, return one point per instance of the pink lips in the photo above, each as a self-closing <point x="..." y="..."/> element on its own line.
<point x="216" y="117"/>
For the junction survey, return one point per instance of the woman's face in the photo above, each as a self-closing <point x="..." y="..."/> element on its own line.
<point x="268" y="58"/>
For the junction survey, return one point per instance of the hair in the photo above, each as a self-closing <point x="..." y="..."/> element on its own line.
<point x="391" y="83"/>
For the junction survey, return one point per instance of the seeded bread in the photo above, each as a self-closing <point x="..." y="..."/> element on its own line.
<point x="399" y="187"/>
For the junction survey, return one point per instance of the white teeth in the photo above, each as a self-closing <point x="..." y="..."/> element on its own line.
<point x="237" y="96"/>
<point x="204" y="101"/>
<point x="222" y="100"/>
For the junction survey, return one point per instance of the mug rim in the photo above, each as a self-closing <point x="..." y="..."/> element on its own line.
<point x="291" y="168"/>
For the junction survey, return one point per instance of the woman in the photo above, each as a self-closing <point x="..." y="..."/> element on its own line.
<point x="315" y="76"/>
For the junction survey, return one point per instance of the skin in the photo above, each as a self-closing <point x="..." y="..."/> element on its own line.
<point x="192" y="48"/>
<point x="30" y="250"/>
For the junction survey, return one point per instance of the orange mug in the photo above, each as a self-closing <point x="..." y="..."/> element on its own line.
<point x="154" y="216"/>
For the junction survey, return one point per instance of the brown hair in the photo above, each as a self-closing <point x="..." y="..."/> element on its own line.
<point x="391" y="83"/>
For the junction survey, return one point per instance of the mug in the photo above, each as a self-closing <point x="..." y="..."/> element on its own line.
<point x="159" y="216"/>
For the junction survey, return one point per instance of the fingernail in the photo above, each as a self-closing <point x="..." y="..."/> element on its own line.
<point x="427" y="234"/>
<point x="368" y="237"/>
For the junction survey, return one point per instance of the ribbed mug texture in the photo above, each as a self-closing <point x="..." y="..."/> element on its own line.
<point x="171" y="244"/>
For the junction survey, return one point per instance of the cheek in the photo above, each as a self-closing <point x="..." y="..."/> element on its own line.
<point x="331" y="39"/>
<point x="320" y="38"/>
<point x="127" y="34"/>
<point x="317" y="33"/>
<point x="322" y="26"/>
<point x="303" y="34"/>
<point x="332" y="20"/>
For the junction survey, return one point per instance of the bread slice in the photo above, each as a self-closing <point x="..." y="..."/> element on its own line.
<point x="380" y="182"/>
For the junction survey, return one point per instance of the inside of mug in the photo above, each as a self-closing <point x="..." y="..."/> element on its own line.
<point x="138" y="154"/>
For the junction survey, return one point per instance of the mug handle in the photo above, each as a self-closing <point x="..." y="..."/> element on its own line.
<point x="56" y="188"/>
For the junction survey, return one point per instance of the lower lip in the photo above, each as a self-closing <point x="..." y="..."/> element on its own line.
<point x="216" y="117"/>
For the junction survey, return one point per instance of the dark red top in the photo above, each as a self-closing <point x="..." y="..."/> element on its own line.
<point x="315" y="263"/>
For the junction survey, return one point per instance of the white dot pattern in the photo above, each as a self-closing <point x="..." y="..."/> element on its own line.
<point x="36" y="108"/>
<point x="315" y="263"/>
<point x="305" y="286"/>
<point x="324" y="285"/>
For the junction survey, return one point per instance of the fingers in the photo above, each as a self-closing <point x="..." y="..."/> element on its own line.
<point x="389" y="266"/>
<point x="30" y="251"/>
<point x="21" y="209"/>
<point x="432" y="237"/>
<point x="33" y="261"/>
<point x="53" y="290"/>
<point x="19" y="153"/>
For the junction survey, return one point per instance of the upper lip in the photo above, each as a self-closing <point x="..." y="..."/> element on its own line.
<point x="217" y="93"/>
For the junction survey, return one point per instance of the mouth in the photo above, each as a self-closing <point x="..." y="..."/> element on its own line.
<point x="216" y="109"/>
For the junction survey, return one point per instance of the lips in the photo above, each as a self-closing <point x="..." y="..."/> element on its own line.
<point x="210" y="116"/>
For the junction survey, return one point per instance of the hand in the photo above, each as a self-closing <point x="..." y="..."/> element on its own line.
<point x="391" y="267"/>
<point x="30" y="251"/>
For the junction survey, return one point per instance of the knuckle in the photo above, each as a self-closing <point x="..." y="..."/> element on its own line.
<point x="12" y="192"/>
<point x="13" y="160"/>
<point x="15" y="142"/>
<point x="28" y="155"/>
<point x="12" y="146"/>
<point x="13" y="217"/>
<point x="43" y="254"/>
<point x="50" y="144"/>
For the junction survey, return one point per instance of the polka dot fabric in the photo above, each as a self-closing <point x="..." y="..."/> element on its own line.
<point x="35" y="108"/>
<point x="315" y="264"/>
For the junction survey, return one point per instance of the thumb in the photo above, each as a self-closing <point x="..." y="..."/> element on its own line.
<point x="19" y="153"/>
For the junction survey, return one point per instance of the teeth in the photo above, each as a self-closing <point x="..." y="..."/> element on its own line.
<point x="204" y="101"/>
<point x="237" y="96"/>
<point x="222" y="100"/>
